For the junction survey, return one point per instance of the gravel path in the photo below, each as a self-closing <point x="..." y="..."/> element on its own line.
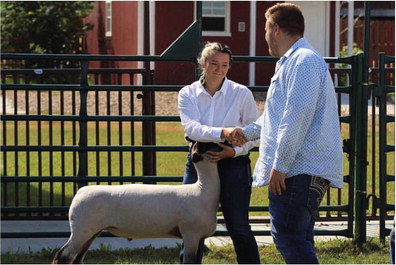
<point x="120" y="103"/>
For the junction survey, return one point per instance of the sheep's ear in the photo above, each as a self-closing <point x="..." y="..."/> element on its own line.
<point x="195" y="152"/>
<point x="196" y="157"/>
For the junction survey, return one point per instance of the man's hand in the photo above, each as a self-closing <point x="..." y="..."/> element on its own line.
<point x="237" y="138"/>
<point x="277" y="182"/>
<point x="227" y="152"/>
<point x="234" y="136"/>
<point x="226" y="132"/>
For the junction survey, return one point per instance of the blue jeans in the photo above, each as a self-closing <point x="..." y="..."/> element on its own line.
<point x="236" y="188"/>
<point x="293" y="217"/>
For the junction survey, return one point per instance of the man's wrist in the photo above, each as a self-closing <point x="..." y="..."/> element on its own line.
<point x="252" y="132"/>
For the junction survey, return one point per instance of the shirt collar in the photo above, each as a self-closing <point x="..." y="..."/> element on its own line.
<point x="201" y="89"/>
<point x="299" y="43"/>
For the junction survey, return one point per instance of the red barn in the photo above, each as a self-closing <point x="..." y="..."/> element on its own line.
<point x="119" y="29"/>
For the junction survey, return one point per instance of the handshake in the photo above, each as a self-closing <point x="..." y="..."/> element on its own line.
<point x="234" y="136"/>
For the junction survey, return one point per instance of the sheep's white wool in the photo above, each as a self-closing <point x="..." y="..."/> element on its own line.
<point x="145" y="211"/>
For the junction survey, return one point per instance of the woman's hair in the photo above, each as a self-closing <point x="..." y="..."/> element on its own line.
<point x="289" y="18"/>
<point x="208" y="50"/>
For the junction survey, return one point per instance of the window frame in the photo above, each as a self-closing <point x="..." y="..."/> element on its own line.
<point x="227" y="22"/>
<point x="108" y="19"/>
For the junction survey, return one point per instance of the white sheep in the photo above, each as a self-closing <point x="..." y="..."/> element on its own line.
<point x="136" y="211"/>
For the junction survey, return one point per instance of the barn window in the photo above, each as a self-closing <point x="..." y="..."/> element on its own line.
<point x="216" y="18"/>
<point x="108" y="23"/>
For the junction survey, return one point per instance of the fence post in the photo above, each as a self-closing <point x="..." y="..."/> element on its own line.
<point x="382" y="136"/>
<point x="148" y="103"/>
<point x="367" y="13"/>
<point x="360" y="166"/>
<point x="83" y="142"/>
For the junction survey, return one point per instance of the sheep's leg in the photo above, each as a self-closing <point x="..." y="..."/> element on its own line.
<point x="60" y="257"/>
<point x="181" y="253"/>
<point x="200" y="251"/>
<point x="74" y="249"/>
<point x="190" y="249"/>
<point x="81" y="255"/>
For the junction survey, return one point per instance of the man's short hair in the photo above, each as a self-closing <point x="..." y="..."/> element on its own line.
<point x="289" y="18"/>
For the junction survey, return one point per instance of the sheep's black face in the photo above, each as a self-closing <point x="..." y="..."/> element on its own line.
<point x="197" y="149"/>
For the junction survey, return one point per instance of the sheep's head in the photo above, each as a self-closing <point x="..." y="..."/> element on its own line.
<point x="197" y="149"/>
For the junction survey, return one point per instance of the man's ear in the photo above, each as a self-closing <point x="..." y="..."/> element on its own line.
<point x="277" y="29"/>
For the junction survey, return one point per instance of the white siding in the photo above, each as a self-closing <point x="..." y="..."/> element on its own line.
<point x="317" y="29"/>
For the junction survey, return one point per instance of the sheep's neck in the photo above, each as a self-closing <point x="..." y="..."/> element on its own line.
<point x="208" y="178"/>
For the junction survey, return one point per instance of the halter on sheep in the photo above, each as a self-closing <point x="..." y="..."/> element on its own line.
<point x="138" y="211"/>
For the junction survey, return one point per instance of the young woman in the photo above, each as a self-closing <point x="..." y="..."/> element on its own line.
<point x="207" y="107"/>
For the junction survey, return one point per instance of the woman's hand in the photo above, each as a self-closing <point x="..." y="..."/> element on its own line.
<point x="234" y="136"/>
<point x="227" y="152"/>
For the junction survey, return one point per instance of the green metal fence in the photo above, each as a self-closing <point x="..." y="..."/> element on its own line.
<point x="384" y="89"/>
<point x="67" y="137"/>
<point x="40" y="177"/>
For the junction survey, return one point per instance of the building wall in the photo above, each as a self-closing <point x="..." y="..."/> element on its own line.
<point x="96" y="37"/>
<point x="238" y="41"/>
<point x="124" y="34"/>
<point x="172" y="18"/>
<point x="263" y="71"/>
<point x="382" y="37"/>
<point x="316" y="18"/>
<point x="125" y="30"/>
<point x="382" y="28"/>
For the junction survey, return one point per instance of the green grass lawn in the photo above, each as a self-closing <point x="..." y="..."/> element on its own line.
<point x="330" y="252"/>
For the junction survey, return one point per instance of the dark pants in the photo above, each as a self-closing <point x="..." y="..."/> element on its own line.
<point x="293" y="217"/>
<point x="236" y="180"/>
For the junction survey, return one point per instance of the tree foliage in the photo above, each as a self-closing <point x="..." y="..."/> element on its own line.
<point x="43" y="26"/>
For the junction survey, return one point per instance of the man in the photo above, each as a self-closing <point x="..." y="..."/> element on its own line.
<point x="300" y="140"/>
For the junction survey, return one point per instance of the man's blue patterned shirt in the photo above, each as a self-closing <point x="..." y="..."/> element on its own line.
<point x="299" y="129"/>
